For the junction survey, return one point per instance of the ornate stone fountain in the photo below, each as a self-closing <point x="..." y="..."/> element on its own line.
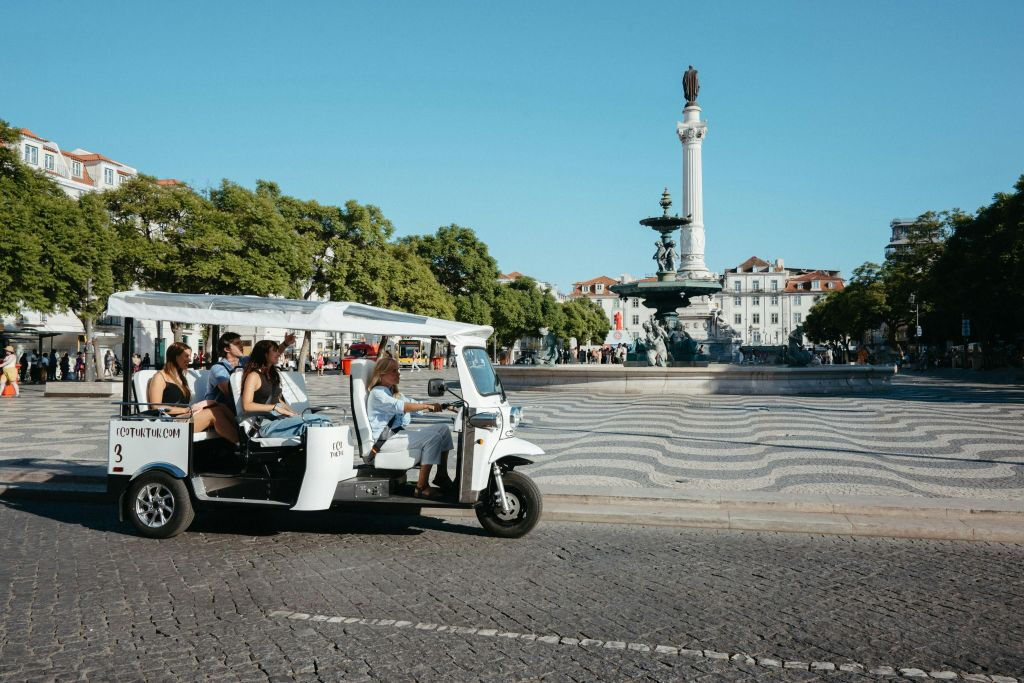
<point x="664" y="341"/>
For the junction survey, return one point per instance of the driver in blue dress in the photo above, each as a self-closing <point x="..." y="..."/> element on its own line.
<point x="385" y="406"/>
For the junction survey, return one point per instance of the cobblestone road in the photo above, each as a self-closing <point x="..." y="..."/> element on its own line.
<point x="280" y="597"/>
<point x="929" y="436"/>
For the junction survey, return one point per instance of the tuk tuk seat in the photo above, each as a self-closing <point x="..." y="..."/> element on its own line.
<point x="198" y="383"/>
<point x="358" y="379"/>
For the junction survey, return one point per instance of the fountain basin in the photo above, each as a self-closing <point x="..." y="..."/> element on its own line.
<point x="756" y="380"/>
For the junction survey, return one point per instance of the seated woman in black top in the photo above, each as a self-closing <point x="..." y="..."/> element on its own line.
<point x="262" y="395"/>
<point x="168" y="386"/>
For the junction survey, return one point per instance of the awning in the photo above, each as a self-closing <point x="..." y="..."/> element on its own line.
<point x="292" y="314"/>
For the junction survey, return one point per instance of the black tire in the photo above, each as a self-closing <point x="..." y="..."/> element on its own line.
<point x="159" y="505"/>
<point x="526" y="502"/>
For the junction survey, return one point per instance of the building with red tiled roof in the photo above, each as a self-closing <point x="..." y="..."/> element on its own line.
<point x="76" y="172"/>
<point x="766" y="300"/>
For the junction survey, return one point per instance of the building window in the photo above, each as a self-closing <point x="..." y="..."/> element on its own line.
<point x="798" y="317"/>
<point x="775" y="285"/>
<point x="775" y="301"/>
<point x="756" y="301"/>
<point x="636" y="320"/>
<point x="775" y="318"/>
<point x="76" y="169"/>
<point x="736" y="301"/>
<point x="32" y="155"/>
<point x="756" y="319"/>
<point x="585" y="289"/>
<point x="829" y="284"/>
<point x="108" y="176"/>
<point x="797" y="299"/>
<point x="48" y="161"/>
<point x="599" y="288"/>
<point x="737" y="285"/>
<point x="737" y="319"/>
<point x="757" y="337"/>
<point x="636" y="303"/>
<point x="815" y="285"/>
<point x="756" y="285"/>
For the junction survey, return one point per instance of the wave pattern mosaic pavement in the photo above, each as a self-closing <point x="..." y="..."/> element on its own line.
<point x="926" y="437"/>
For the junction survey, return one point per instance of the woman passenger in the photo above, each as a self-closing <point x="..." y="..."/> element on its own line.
<point x="262" y="395"/>
<point x="386" y="405"/>
<point x="169" y="386"/>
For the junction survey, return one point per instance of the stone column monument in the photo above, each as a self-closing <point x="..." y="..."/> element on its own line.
<point x="691" y="133"/>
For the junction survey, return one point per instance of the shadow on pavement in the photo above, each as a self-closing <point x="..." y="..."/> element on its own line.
<point x="102" y="516"/>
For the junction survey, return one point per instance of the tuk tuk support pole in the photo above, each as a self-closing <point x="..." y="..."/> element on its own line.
<point x="127" y="344"/>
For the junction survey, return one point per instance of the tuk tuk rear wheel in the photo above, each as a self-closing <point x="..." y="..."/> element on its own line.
<point x="158" y="505"/>
<point x="524" y="502"/>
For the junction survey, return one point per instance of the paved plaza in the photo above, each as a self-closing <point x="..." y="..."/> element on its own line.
<point x="316" y="596"/>
<point x="944" y="435"/>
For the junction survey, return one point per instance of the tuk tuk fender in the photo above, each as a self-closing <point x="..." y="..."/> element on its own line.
<point x="329" y="459"/>
<point x="511" y="451"/>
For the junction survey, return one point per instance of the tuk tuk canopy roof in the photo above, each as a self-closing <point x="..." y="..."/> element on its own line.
<point x="293" y="314"/>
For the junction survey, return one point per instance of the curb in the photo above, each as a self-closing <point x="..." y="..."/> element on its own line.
<point x="876" y="516"/>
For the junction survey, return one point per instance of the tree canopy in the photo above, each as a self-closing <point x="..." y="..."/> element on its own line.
<point x="462" y="265"/>
<point x="57" y="253"/>
<point x="954" y="266"/>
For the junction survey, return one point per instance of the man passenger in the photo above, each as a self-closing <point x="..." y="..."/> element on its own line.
<point x="230" y="347"/>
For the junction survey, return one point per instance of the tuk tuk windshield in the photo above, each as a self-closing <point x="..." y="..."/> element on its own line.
<point x="484" y="377"/>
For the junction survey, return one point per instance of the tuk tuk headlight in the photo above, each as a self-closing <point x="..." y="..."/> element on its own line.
<point x="516" y="416"/>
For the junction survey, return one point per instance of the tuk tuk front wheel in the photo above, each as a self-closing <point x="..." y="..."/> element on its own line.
<point x="524" y="507"/>
<point x="158" y="505"/>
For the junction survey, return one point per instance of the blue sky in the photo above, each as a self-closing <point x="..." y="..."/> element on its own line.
<point x="549" y="128"/>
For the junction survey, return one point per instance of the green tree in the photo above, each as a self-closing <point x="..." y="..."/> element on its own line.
<point x="31" y="205"/>
<point x="585" y="320"/>
<point x="463" y="266"/>
<point x="848" y="315"/>
<point x="906" y="272"/>
<point x="368" y="268"/>
<point x="521" y="309"/>
<point x="89" y="271"/>
<point x="273" y="258"/>
<point x="979" y="274"/>
<point x="144" y="216"/>
<point x="323" y="229"/>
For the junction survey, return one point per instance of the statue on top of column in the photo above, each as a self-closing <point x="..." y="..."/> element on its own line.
<point x="691" y="85"/>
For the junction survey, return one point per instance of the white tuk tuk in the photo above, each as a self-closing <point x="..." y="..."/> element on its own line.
<point x="161" y="470"/>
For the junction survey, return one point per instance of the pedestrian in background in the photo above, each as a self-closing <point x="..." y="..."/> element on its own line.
<point x="9" y="371"/>
<point x="65" y="367"/>
<point x="416" y="360"/>
<point x="23" y="372"/>
<point x="320" y="364"/>
<point x="44" y="368"/>
<point x="53" y="365"/>
<point x="136" y="362"/>
<point x="108" y="364"/>
<point x="146" y="362"/>
<point x="33" y="367"/>
<point x="80" y="366"/>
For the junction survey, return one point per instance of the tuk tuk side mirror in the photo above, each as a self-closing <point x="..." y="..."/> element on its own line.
<point x="435" y="387"/>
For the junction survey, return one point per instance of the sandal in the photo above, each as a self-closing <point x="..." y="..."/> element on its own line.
<point x="427" y="492"/>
